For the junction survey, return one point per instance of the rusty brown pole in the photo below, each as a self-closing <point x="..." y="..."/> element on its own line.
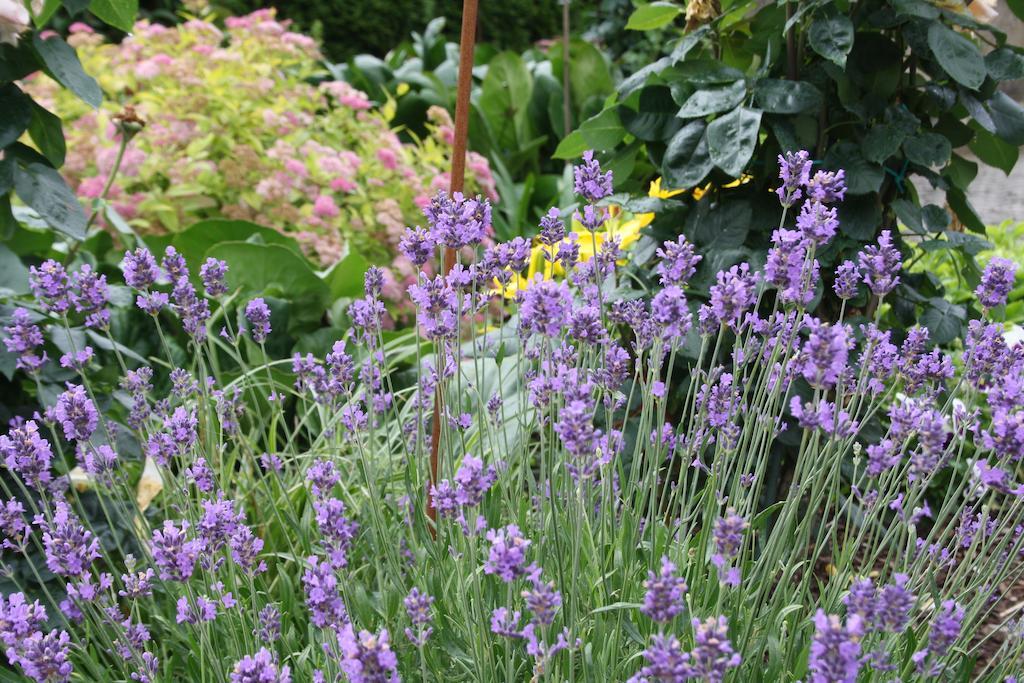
<point x="467" y="40"/>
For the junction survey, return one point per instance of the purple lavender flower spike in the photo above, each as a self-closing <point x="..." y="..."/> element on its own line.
<point x="827" y="187"/>
<point x="545" y="308"/>
<point x="76" y="413"/>
<point x="27" y="454"/>
<point x="732" y="294"/>
<point x="590" y="183"/>
<point x="174" y="552"/>
<point x="817" y="222"/>
<point x="70" y="548"/>
<point x="322" y="595"/>
<point x="795" y="174"/>
<point x="835" y="650"/>
<point x="214" y="273"/>
<point x="258" y="315"/>
<point x="417" y="245"/>
<point x="458" y="221"/>
<point x="418" y="606"/>
<point x="260" y="668"/>
<point x="847" y="279"/>
<point x="665" y="598"/>
<point x="678" y="261"/>
<point x="712" y="654"/>
<point x="507" y="554"/>
<point x="44" y="658"/>
<point x="728" y="540"/>
<point x="880" y="265"/>
<point x="996" y="282"/>
<point x="140" y="269"/>
<point x="367" y="657"/>
<point x="50" y="285"/>
<point x="90" y="296"/>
<point x="23" y="338"/>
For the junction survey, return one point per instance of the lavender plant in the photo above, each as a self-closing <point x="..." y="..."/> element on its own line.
<point x="582" y="525"/>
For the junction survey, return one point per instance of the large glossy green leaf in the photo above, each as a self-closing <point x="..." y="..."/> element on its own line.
<point x="787" y="97"/>
<point x="118" y="13"/>
<point x="686" y="162"/>
<point x="862" y="176"/>
<point x="571" y="146"/>
<point x="713" y="99"/>
<point x="15" y="113"/>
<point x="43" y="189"/>
<point x="603" y="131"/>
<point x="957" y="55"/>
<point x="832" y="38"/>
<point x="62" y="63"/>
<point x="46" y="131"/>
<point x="732" y="138"/>
<point x="588" y="71"/>
<point x="194" y="241"/>
<point x="653" y="15"/>
<point x="655" y="116"/>
<point x="345" y="278"/>
<point x="505" y="97"/>
<point x="273" y="270"/>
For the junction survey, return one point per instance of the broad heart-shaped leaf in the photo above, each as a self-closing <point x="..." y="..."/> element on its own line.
<point x="957" y="55"/>
<point x="927" y="149"/>
<point x="15" y="113"/>
<point x="653" y="15"/>
<point x="1004" y="64"/>
<point x="787" y="97"/>
<point x="859" y="217"/>
<point x="832" y="38"/>
<point x="943" y="320"/>
<point x="909" y="214"/>
<point x="731" y="139"/>
<point x="993" y="151"/>
<point x="46" y="131"/>
<point x="713" y="99"/>
<point x="62" y="63"/>
<point x="194" y="241"/>
<point x="604" y="130"/>
<point x="686" y="162"/>
<point x="43" y="189"/>
<point x="273" y="270"/>
<point x="881" y="142"/>
<point x="862" y="176"/>
<point x="118" y="13"/>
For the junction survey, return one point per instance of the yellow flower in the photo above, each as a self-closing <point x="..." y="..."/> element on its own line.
<point x="621" y="224"/>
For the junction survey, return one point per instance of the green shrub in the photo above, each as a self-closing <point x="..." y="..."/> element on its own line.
<point x="888" y="90"/>
<point x="236" y="128"/>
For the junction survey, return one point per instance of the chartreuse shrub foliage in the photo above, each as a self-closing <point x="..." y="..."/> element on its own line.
<point x="887" y="90"/>
<point x="240" y="124"/>
<point x="280" y="522"/>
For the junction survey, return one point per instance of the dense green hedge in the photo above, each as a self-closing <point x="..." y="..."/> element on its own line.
<point x="375" y="26"/>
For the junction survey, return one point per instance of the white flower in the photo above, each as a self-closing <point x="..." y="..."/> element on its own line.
<point x="14" y="20"/>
